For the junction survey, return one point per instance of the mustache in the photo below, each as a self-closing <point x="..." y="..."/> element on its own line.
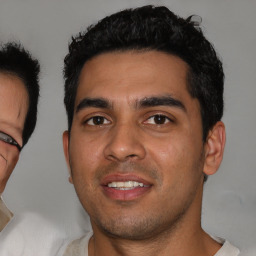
<point x="128" y="167"/>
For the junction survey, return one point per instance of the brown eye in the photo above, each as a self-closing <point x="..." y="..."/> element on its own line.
<point x="158" y="119"/>
<point x="97" y="120"/>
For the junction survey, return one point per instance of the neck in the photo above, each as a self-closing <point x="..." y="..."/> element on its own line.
<point x="202" y="245"/>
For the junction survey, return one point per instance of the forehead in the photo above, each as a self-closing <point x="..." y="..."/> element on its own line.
<point x="13" y="102"/>
<point x="132" y="74"/>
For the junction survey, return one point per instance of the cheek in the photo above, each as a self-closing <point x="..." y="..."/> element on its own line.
<point x="167" y="152"/>
<point x="85" y="155"/>
<point x="3" y="167"/>
<point x="176" y="157"/>
<point x="7" y="164"/>
<point x="84" y="160"/>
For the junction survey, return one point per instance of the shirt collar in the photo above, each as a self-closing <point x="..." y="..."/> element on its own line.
<point x="5" y="214"/>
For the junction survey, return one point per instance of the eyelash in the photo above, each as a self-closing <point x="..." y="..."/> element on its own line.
<point x="92" y="121"/>
<point x="165" y="118"/>
<point x="9" y="140"/>
<point x="93" y="118"/>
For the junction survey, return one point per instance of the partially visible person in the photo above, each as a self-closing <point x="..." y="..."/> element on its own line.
<point x="28" y="233"/>
<point x="19" y="92"/>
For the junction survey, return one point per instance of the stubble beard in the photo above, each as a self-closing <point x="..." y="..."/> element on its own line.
<point x="150" y="226"/>
<point x="143" y="228"/>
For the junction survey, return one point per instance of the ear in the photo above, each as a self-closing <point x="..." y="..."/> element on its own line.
<point x="214" y="148"/>
<point x="65" y="141"/>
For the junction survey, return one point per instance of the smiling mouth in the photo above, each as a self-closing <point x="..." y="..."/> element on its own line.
<point x="126" y="185"/>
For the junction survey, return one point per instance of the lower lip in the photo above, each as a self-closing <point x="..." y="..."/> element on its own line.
<point x="125" y="195"/>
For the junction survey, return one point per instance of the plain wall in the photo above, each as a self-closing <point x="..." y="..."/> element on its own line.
<point x="40" y="180"/>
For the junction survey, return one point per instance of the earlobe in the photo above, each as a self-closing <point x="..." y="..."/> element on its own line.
<point x="65" y="140"/>
<point x="214" y="148"/>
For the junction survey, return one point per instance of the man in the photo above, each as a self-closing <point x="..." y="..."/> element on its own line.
<point x="144" y="99"/>
<point x="19" y="91"/>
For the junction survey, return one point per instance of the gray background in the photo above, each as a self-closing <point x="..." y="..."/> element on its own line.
<point x="40" y="180"/>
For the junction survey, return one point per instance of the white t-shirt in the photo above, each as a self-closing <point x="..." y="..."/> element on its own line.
<point x="5" y="214"/>
<point x="79" y="247"/>
<point x="29" y="234"/>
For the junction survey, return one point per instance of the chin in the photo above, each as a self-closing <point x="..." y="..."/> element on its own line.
<point x="135" y="228"/>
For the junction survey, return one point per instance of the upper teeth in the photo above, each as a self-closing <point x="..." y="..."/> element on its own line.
<point x="126" y="184"/>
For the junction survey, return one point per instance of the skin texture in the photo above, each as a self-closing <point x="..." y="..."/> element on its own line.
<point x="128" y="139"/>
<point x="13" y="110"/>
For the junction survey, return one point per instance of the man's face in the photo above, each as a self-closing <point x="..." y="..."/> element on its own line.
<point x="13" y="110"/>
<point x="135" y="149"/>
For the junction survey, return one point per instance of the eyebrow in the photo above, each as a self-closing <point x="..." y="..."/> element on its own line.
<point x="93" y="102"/>
<point x="143" y="103"/>
<point x="161" y="101"/>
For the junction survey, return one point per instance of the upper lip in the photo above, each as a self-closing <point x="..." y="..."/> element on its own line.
<point x="123" y="177"/>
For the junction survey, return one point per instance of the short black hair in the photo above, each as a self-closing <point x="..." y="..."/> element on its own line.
<point x="15" y="60"/>
<point x="152" y="28"/>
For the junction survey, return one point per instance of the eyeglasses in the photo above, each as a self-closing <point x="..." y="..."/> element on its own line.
<point x="8" y="139"/>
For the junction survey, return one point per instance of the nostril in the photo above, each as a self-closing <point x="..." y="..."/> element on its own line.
<point x="130" y="157"/>
<point x="121" y="158"/>
<point x="133" y="155"/>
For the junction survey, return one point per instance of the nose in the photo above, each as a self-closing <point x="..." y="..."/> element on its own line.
<point x="124" y="143"/>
